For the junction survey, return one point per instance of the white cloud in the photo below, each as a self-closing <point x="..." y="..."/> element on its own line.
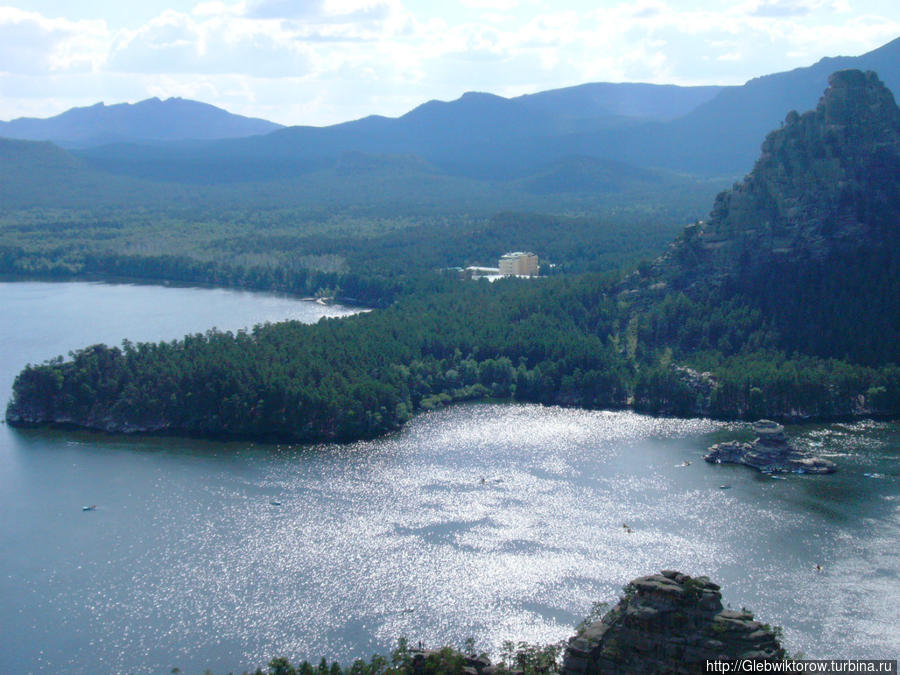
<point x="284" y="9"/>
<point x="179" y="43"/>
<point x="323" y="11"/>
<point x="216" y="8"/>
<point x="322" y="61"/>
<point x="503" y="5"/>
<point x="791" y="8"/>
<point x="32" y="43"/>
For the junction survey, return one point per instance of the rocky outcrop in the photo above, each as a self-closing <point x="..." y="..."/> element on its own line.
<point x="825" y="181"/>
<point x="669" y="623"/>
<point x="27" y="415"/>
<point x="770" y="453"/>
<point x="702" y="386"/>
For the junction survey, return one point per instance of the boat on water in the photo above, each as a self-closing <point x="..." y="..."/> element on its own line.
<point x="92" y="507"/>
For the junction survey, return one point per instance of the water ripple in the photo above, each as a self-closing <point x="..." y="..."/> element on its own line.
<point x="495" y="522"/>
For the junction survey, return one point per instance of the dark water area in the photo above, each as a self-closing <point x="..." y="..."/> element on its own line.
<point x="491" y="521"/>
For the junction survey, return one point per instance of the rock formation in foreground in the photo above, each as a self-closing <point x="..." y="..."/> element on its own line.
<point x="669" y="623"/>
<point x="769" y="453"/>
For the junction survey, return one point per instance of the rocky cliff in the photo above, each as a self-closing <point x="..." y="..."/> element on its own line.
<point x="787" y="295"/>
<point x="826" y="181"/>
<point x="669" y="623"/>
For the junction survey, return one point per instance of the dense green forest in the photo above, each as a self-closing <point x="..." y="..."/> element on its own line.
<point x="566" y="340"/>
<point x="384" y="239"/>
<point x="367" y="260"/>
<point x="536" y="340"/>
<point x="357" y="227"/>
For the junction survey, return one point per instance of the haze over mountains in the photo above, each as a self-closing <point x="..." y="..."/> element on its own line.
<point x="592" y="138"/>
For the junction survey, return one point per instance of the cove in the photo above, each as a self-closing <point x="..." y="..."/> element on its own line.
<point x="186" y="561"/>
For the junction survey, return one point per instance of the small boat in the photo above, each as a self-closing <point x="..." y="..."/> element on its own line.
<point x="724" y="487"/>
<point x="275" y="502"/>
<point x="92" y="507"/>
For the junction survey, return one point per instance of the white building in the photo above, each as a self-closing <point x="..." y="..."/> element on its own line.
<point x="520" y="264"/>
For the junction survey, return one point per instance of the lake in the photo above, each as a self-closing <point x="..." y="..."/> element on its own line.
<point x="488" y="521"/>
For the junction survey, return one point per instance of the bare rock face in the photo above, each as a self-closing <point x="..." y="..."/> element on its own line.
<point x="824" y="182"/>
<point x="669" y="623"/>
<point x="769" y="453"/>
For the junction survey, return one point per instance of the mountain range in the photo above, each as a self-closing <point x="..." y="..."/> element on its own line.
<point x="565" y="139"/>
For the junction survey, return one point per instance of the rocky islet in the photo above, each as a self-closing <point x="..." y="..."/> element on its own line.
<point x="770" y="452"/>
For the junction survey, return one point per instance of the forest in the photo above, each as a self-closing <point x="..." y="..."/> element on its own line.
<point x="564" y="340"/>
<point x="576" y="337"/>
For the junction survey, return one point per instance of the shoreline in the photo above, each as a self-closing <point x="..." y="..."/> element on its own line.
<point x="115" y="280"/>
<point x="652" y="407"/>
<point x="275" y="439"/>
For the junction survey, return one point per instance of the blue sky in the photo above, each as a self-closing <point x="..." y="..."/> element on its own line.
<point x="325" y="61"/>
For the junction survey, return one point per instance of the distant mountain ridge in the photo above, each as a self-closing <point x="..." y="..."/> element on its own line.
<point x="707" y="132"/>
<point x="177" y="119"/>
<point x="722" y="135"/>
<point x="628" y="100"/>
<point x="173" y="119"/>
<point x="703" y="131"/>
<point x="478" y="135"/>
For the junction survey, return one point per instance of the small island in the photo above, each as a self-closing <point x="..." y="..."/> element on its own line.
<point x="769" y="453"/>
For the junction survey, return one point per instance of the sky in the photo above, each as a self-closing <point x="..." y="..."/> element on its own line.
<point x="326" y="61"/>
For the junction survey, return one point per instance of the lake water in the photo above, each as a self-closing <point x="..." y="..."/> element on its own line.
<point x="186" y="562"/>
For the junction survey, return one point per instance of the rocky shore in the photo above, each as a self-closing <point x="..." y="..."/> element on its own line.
<point x="669" y="623"/>
<point x="770" y="453"/>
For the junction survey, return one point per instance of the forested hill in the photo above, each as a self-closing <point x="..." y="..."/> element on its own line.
<point x="811" y="237"/>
